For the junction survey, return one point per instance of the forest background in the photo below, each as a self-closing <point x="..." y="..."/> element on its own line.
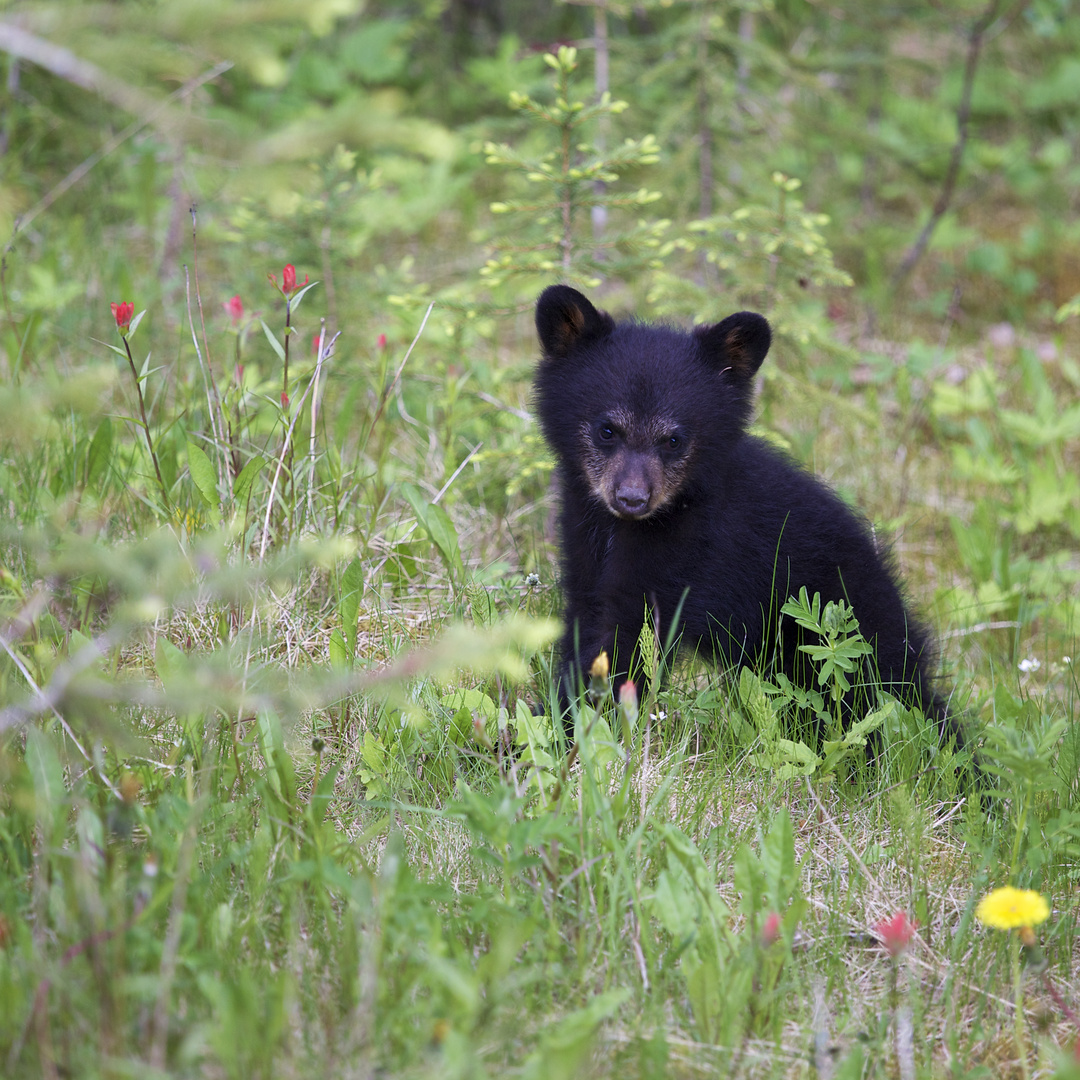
<point x="277" y="582"/>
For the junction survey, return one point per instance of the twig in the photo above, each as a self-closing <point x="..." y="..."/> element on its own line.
<point x="826" y="816"/>
<point x="976" y="37"/>
<point x="225" y="450"/>
<point x="326" y="348"/>
<point x="1060" y="1002"/>
<point x="25" y="618"/>
<point x="980" y="628"/>
<point x="457" y="472"/>
<point x="110" y="145"/>
<point x="401" y="367"/>
<point x="286" y="443"/>
<point x="202" y="363"/>
<point x="47" y="699"/>
<point x="521" y="414"/>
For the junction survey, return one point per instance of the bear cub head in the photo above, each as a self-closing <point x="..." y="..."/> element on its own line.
<point x="631" y="411"/>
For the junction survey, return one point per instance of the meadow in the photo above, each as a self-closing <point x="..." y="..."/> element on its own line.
<point x="280" y="790"/>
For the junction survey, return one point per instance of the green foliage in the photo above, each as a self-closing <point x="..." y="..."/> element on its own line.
<point x="780" y="707"/>
<point x="733" y="981"/>
<point x="763" y="258"/>
<point x="1022" y="460"/>
<point x="572" y="177"/>
<point x="276" y="798"/>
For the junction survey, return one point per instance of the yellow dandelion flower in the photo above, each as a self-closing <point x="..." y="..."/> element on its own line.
<point x="1008" y="908"/>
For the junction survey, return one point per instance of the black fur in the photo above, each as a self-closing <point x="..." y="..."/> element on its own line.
<point x="667" y="500"/>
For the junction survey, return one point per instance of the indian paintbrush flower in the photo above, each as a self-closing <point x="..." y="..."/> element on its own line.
<point x="288" y="284"/>
<point x="895" y="933"/>
<point x="122" y="314"/>
<point x="235" y="309"/>
<point x="770" y="931"/>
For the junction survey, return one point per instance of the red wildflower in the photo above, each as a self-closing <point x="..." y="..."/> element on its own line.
<point x="382" y="341"/>
<point x="770" y="932"/>
<point x="235" y="309"/>
<point x="895" y="933"/>
<point x="122" y="314"/>
<point x="284" y="400"/>
<point x="628" y="702"/>
<point x="288" y="284"/>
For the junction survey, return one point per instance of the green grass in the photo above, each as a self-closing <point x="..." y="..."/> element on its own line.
<point x="266" y="816"/>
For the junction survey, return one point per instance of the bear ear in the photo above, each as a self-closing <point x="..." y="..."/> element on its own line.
<point x="739" y="342"/>
<point x="565" y="319"/>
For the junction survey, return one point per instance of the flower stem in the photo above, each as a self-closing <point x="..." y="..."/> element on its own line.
<point x="1020" y="826"/>
<point x="287" y="446"/>
<point x="1018" y="998"/>
<point x="146" y="426"/>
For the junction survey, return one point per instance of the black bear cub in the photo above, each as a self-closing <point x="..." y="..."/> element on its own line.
<point x="667" y="501"/>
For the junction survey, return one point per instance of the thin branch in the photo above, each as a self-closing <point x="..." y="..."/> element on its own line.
<point x="397" y="374"/>
<point x="48" y="699"/>
<point x="64" y="64"/>
<point x="224" y="450"/>
<point x="211" y="395"/>
<point x="976" y="37"/>
<point x="326" y="349"/>
<point x="286" y="443"/>
<point x="108" y="147"/>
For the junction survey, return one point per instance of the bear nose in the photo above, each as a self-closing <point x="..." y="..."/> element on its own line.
<point x="631" y="499"/>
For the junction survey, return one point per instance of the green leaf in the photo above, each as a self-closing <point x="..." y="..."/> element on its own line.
<point x="242" y="485"/>
<point x="47" y="776"/>
<point x="170" y="663"/>
<point x="567" y="1043"/>
<point x="374" y="753"/>
<point x="438" y="526"/>
<point x="339" y="651"/>
<point x="352" y="587"/>
<point x="320" y="800"/>
<point x="99" y="456"/>
<point x="279" y="763"/>
<point x="274" y="343"/>
<point x="778" y="860"/>
<point x="294" y="302"/>
<point x="205" y="479"/>
<point x="441" y="530"/>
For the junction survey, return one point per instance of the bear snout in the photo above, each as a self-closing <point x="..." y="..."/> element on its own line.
<point x="632" y="500"/>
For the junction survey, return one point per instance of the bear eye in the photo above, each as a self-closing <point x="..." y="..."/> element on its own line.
<point x="674" y="442"/>
<point x="605" y="433"/>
